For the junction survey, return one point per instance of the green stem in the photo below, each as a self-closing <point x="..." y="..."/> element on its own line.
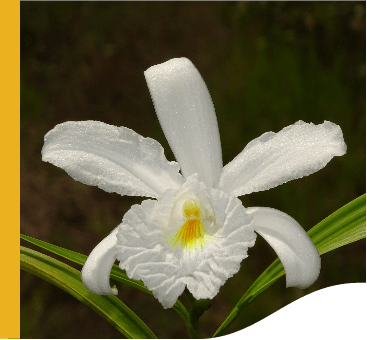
<point x="198" y="307"/>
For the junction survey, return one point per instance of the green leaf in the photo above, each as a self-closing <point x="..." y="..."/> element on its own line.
<point x="68" y="279"/>
<point x="346" y="225"/>
<point x="116" y="274"/>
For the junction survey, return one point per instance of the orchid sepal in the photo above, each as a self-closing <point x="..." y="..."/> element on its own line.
<point x="186" y="113"/>
<point x="96" y="270"/>
<point x="295" y="249"/>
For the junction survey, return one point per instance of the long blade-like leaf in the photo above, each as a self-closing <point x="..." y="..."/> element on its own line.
<point x="116" y="274"/>
<point x="68" y="279"/>
<point x="346" y="225"/>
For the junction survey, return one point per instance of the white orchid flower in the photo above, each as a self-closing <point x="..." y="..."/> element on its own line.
<point x="195" y="232"/>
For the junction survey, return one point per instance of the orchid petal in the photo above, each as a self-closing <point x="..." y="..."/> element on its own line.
<point x="142" y="253"/>
<point x="221" y="258"/>
<point x="97" y="268"/>
<point x="116" y="159"/>
<point x="146" y="253"/>
<point x="186" y="114"/>
<point x="296" y="251"/>
<point x="275" y="158"/>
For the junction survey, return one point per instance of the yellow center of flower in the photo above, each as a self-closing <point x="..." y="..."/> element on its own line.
<point x="191" y="208"/>
<point x="192" y="234"/>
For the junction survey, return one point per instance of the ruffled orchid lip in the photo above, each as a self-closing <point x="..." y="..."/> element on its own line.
<point x="117" y="159"/>
<point x="156" y="242"/>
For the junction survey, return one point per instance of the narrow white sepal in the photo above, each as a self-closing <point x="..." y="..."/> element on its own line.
<point x="97" y="268"/>
<point x="275" y="158"/>
<point x="116" y="159"/>
<point x="186" y="114"/>
<point x="296" y="251"/>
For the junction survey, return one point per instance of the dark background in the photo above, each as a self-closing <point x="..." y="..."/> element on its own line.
<point x="266" y="64"/>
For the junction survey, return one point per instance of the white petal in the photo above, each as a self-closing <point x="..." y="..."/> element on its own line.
<point x="97" y="268"/>
<point x="221" y="259"/>
<point x="146" y="253"/>
<point x="275" y="158"/>
<point x="143" y="254"/>
<point x="296" y="251"/>
<point x="186" y="114"/>
<point x="116" y="159"/>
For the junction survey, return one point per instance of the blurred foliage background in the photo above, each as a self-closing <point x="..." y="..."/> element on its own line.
<point x="266" y="64"/>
